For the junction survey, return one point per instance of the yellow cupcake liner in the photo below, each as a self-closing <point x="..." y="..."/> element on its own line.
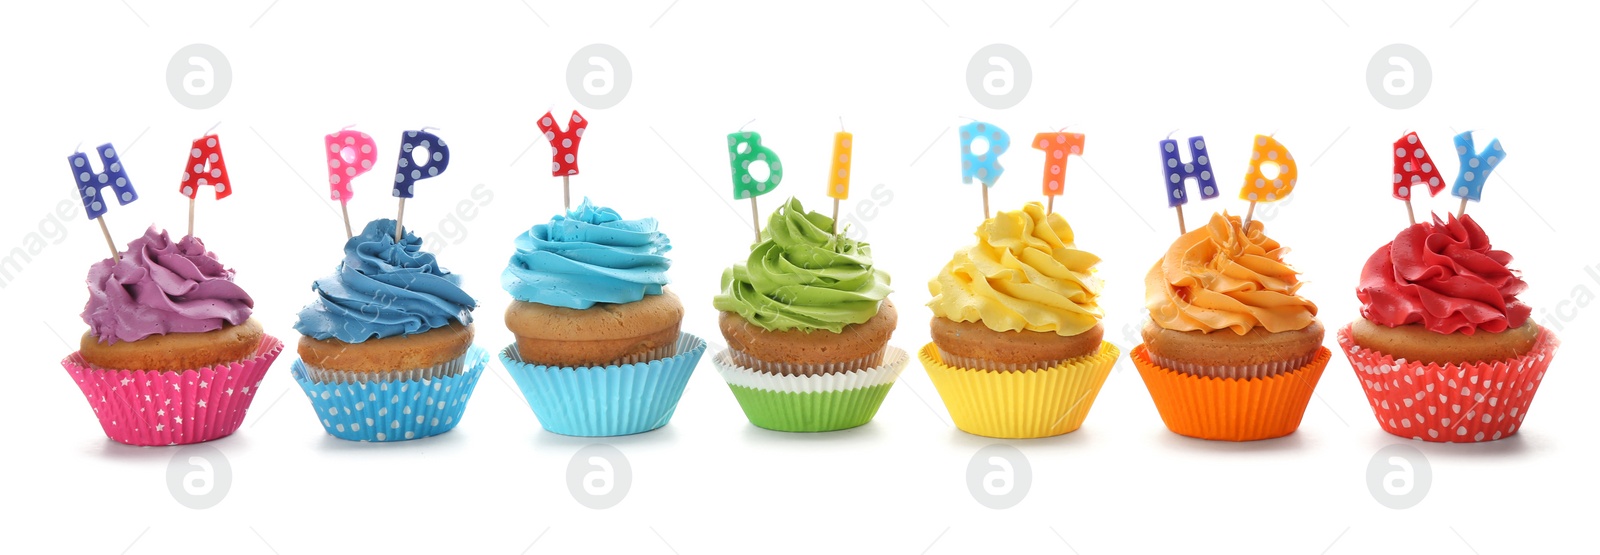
<point x="1020" y="404"/>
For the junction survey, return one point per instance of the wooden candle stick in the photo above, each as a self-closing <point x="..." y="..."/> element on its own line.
<point x="1258" y="185"/>
<point x="204" y="166"/>
<point x="115" y="255"/>
<point x="1057" y="148"/>
<point x="564" y="149"/>
<point x="349" y="154"/>
<point x="1177" y="174"/>
<point x="984" y="167"/>
<point x="93" y="187"/>
<point x="744" y="149"/>
<point x="409" y="170"/>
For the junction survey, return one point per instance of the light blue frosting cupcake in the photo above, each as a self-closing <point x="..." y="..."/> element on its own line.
<point x="383" y="289"/>
<point x="589" y="255"/>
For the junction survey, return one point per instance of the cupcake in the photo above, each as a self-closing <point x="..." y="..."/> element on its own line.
<point x="171" y="355"/>
<point x="386" y="349"/>
<point x="598" y="350"/>
<point x="807" y="320"/>
<point x="1017" y="349"/>
<point x="1231" y="351"/>
<point x="1444" y="349"/>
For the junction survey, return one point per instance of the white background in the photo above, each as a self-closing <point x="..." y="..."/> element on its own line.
<point x="1125" y="73"/>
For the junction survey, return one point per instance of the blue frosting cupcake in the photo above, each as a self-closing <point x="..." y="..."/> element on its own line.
<point x="589" y="255"/>
<point x="384" y="289"/>
<point x="598" y="349"/>
<point x="386" y="349"/>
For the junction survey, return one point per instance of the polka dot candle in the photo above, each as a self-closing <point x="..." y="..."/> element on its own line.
<point x="839" y="172"/>
<point x="1056" y="147"/>
<point x="1262" y="186"/>
<point x="205" y="166"/>
<point x="90" y="184"/>
<point x="1475" y="167"/>
<point x="563" y="144"/>
<point x="350" y="153"/>
<point x="1414" y="167"/>
<point x="985" y="167"/>
<point x="409" y="171"/>
<point x="1177" y="171"/>
<point x="744" y="148"/>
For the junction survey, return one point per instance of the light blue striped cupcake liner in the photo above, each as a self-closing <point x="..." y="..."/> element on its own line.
<point x="393" y="410"/>
<point x="600" y="401"/>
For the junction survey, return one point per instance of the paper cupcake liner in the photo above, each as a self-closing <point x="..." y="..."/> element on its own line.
<point x="323" y="376"/>
<point x="147" y="407"/>
<point x="976" y="363"/>
<point x="657" y="353"/>
<point x="393" y="409"/>
<point x="1244" y="372"/>
<point x="740" y="358"/>
<point x="1230" y="409"/>
<point x="614" y="400"/>
<point x="1020" y="404"/>
<point x="811" y="403"/>
<point x="1482" y="401"/>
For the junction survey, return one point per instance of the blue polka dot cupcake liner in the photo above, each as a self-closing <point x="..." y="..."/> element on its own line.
<point x="394" y="409"/>
<point x="602" y="401"/>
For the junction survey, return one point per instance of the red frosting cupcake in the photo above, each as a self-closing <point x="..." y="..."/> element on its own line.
<point x="1444" y="348"/>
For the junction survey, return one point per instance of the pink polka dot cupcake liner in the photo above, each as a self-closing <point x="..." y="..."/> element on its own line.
<point x="1451" y="403"/>
<point x="145" y="407"/>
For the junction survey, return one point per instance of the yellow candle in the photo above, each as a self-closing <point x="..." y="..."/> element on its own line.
<point x="839" y="173"/>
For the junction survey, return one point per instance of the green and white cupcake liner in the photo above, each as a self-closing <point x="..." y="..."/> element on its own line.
<point x="811" y="403"/>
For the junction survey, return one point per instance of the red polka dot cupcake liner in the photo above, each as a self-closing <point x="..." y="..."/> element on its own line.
<point x="1451" y="403"/>
<point x="146" y="407"/>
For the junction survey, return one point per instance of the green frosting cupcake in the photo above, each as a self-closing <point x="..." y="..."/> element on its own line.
<point x="803" y="276"/>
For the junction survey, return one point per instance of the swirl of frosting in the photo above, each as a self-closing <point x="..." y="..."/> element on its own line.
<point x="162" y="287"/>
<point x="1447" y="277"/>
<point x="590" y="255"/>
<point x="1222" y="276"/>
<point x="1025" y="273"/>
<point x="803" y="276"/>
<point x="383" y="289"/>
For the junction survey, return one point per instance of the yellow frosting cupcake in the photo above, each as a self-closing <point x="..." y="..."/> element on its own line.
<point x="1017" y="349"/>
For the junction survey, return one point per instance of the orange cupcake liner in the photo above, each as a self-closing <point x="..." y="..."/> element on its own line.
<point x="1450" y="403"/>
<point x="1230" y="409"/>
